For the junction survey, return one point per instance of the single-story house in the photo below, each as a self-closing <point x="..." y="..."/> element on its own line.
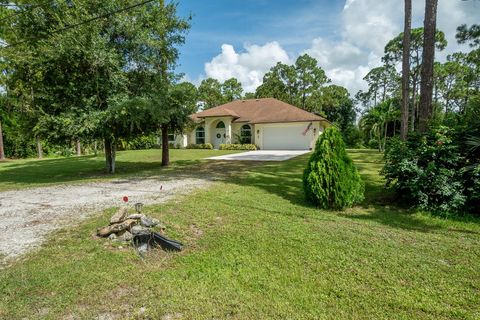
<point x="268" y="123"/>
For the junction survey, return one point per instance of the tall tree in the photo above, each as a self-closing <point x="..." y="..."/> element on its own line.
<point x="309" y="79"/>
<point x="249" y="95"/>
<point x="394" y="53"/>
<point x="294" y="84"/>
<point x="406" y="70"/>
<point x="471" y="34"/>
<point x="232" y="90"/>
<point x="382" y="83"/>
<point x="471" y="60"/>
<point x="334" y="103"/>
<point x="428" y="58"/>
<point x="210" y="93"/>
<point x="182" y="102"/>
<point x="279" y="83"/>
<point x="451" y="82"/>
<point x="92" y="71"/>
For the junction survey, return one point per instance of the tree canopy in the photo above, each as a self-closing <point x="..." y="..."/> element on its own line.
<point x="81" y="69"/>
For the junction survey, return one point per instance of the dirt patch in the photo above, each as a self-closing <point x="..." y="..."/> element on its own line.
<point x="28" y="216"/>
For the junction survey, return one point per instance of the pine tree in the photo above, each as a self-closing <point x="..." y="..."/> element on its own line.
<point x="331" y="180"/>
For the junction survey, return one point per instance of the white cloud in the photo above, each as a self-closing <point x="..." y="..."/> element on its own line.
<point x="366" y="26"/>
<point x="332" y="54"/>
<point x="369" y="24"/>
<point x="249" y="66"/>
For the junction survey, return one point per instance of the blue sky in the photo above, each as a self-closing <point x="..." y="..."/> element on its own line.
<point x="245" y="38"/>
<point x="253" y="21"/>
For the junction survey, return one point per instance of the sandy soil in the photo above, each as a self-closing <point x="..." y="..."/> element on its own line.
<point x="28" y="216"/>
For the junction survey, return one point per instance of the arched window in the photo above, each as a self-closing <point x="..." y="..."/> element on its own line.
<point x="246" y="134"/>
<point x="200" y="135"/>
<point x="220" y="125"/>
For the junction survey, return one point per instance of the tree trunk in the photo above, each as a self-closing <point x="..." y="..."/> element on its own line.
<point x="165" y="149"/>
<point x="428" y="57"/>
<point x="39" y="149"/>
<point x="412" y="114"/>
<point x="406" y="70"/>
<point x="78" y="147"/>
<point x="385" y="136"/>
<point x="110" y="153"/>
<point x="2" y="150"/>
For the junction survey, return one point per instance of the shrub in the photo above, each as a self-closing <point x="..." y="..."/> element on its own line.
<point x="426" y="171"/>
<point x="473" y="190"/>
<point x="139" y="143"/>
<point x="237" y="146"/>
<point x="200" y="146"/>
<point x="331" y="180"/>
<point x="372" y="144"/>
<point x="352" y="136"/>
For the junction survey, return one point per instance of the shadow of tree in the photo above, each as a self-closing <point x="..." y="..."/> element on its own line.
<point x="393" y="217"/>
<point x="283" y="179"/>
<point x="78" y="169"/>
<point x="69" y="169"/>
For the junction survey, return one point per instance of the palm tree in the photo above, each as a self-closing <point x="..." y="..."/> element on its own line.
<point x="377" y="121"/>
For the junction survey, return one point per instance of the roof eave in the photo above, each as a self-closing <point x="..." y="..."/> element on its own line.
<point x="287" y="121"/>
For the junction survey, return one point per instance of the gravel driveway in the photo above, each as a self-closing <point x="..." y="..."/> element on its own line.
<point x="28" y="216"/>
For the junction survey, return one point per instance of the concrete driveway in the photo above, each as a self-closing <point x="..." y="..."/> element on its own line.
<point x="262" y="155"/>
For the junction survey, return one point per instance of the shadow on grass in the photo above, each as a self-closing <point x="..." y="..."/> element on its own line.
<point x="68" y="170"/>
<point x="284" y="179"/>
<point x="78" y="169"/>
<point x="393" y="217"/>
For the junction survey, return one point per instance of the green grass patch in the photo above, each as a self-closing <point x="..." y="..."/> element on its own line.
<point x="18" y="174"/>
<point x="256" y="250"/>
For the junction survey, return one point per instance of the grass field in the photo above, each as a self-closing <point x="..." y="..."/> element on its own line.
<point x="31" y="173"/>
<point x="256" y="250"/>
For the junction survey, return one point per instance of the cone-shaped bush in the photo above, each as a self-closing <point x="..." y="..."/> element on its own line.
<point x="331" y="180"/>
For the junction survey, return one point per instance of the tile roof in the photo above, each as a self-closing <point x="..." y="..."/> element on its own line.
<point x="267" y="110"/>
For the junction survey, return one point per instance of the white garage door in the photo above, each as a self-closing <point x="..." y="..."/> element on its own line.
<point x="286" y="138"/>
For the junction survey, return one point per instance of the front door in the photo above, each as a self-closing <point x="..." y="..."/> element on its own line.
<point x="220" y="135"/>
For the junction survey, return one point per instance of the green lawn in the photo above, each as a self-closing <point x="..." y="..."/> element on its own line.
<point x="256" y="250"/>
<point x="30" y="173"/>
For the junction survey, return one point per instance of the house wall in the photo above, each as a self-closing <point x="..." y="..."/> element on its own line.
<point x="236" y="128"/>
<point x="233" y="129"/>
<point x="209" y="125"/>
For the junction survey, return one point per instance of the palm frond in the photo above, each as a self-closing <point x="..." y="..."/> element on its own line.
<point x="473" y="142"/>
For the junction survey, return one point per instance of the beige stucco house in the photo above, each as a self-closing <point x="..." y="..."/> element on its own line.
<point x="269" y="123"/>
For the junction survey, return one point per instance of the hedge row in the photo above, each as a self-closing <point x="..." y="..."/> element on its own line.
<point x="238" y="147"/>
<point x="200" y="146"/>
